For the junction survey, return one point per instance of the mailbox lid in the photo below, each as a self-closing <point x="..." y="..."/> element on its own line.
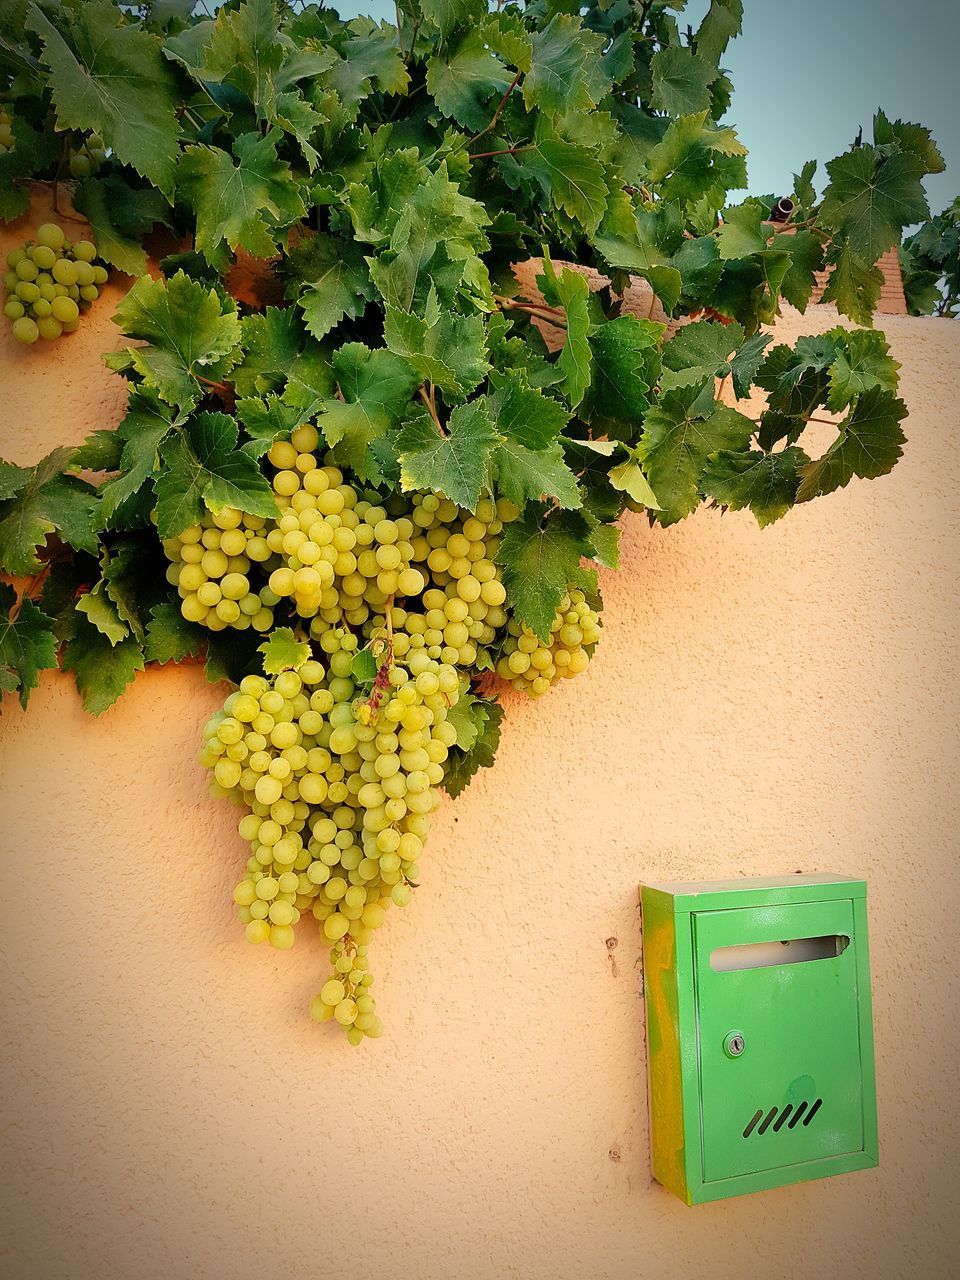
<point x="795" y="1093"/>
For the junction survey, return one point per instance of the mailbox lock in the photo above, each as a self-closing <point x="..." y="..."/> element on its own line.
<point x="733" y="1044"/>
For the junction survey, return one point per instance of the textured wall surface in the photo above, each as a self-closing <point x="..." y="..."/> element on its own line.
<point x="760" y="703"/>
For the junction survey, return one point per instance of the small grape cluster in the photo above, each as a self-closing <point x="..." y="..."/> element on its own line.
<point x="210" y="565"/>
<point x="533" y="665"/>
<point x="49" y="282"/>
<point x="7" y="140"/>
<point x="340" y="788"/>
<point x="87" y="158"/>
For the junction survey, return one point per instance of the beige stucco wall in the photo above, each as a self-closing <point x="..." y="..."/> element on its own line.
<point x="761" y="703"/>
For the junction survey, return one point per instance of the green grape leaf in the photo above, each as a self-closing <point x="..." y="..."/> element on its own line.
<point x="45" y="500"/>
<point x="572" y="177"/>
<point x="191" y="331"/>
<point x="376" y="387"/>
<point x="564" y="68"/>
<point x="298" y="118"/>
<point x="102" y="612"/>
<point x="457" y="464"/>
<point x="681" y="81"/>
<point x="525" y="414"/>
<point x="626" y="367"/>
<point x="484" y="716"/>
<point x="205" y="470"/>
<point x="271" y="342"/>
<point x="721" y="23"/>
<point x="99" y="452"/>
<point x="282" y="651"/>
<point x="605" y="540"/>
<point x="869" y="442"/>
<point x="767" y="483"/>
<point x="170" y="637"/>
<point x="363" y="669"/>
<point x="524" y="474"/>
<point x="540" y="554"/>
<point x="33" y="151"/>
<point x="628" y="477"/>
<point x="806" y="259"/>
<point x="329" y="279"/>
<point x="147" y="424"/>
<point x="244" y="204"/>
<point x="863" y="361"/>
<point x="680" y="433"/>
<point x="463" y="79"/>
<point x="120" y="216"/>
<point x="27" y="644"/>
<point x="912" y="138"/>
<point x="746" y="363"/>
<point x="240" y="48"/>
<point x="853" y="284"/>
<point x="446" y="349"/>
<point x="450" y="15"/>
<point x="699" y="350"/>
<point x="102" y="669"/>
<point x="109" y="75"/>
<point x="870" y="198"/>
<point x="741" y="234"/>
<point x="796" y="380"/>
<point x="687" y="162"/>
<point x="571" y="291"/>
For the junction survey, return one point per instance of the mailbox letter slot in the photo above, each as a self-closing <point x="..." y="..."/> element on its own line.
<point x="764" y="955"/>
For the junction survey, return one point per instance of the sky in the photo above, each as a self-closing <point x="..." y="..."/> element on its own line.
<point x="808" y="73"/>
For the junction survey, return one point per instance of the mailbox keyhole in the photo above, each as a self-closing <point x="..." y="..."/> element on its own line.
<point x="734" y="1044"/>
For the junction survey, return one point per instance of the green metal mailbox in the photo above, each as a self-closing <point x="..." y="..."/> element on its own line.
<point x="759" y="1033"/>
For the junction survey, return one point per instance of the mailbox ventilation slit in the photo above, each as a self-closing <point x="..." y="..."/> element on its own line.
<point x="813" y="1111"/>
<point x="750" y="1127"/>
<point x="801" y="1108"/>
<point x="784" y="1116"/>
<point x="768" y="1121"/>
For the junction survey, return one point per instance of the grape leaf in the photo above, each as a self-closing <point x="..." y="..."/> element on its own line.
<point x="33" y="151"/>
<point x="27" y="644"/>
<point x="572" y="177"/>
<point x="376" y="387"/>
<point x="240" y="48"/>
<point x="525" y="413"/>
<point x="680" y="433"/>
<point x="746" y="363"/>
<point x="484" y="717"/>
<point x="605" y="541"/>
<point x="699" y="350"/>
<point x="102" y="670"/>
<point x="46" y="500"/>
<point x="806" y="259"/>
<point x="540" y="554"/>
<point x="681" y="81"/>
<point x="721" y="23"/>
<point x="271" y="341"/>
<point x="463" y="79"/>
<point x="853" y="284"/>
<point x="102" y="612"/>
<point x="565" y="64"/>
<point x="685" y="164"/>
<point x="170" y="637"/>
<point x="456" y="464"/>
<point x="329" y="279"/>
<point x="908" y="137"/>
<point x="626" y="367"/>
<point x="446" y="349"/>
<point x="204" y="469"/>
<point x="109" y="75"/>
<point x="863" y="361"/>
<point x="628" y="477"/>
<point x="120" y="216"/>
<point x="524" y="474"/>
<point x="282" y="651"/>
<point x="870" y="198"/>
<point x="869" y="442"/>
<point x="191" y="331"/>
<point x="741" y="234"/>
<point x="767" y="483"/>
<point x="449" y="15"/>
<point x="244" y="204"/>
<point x="147" y="424"/>
<point x="571" y="292"/>
<point x="265" y="421"/>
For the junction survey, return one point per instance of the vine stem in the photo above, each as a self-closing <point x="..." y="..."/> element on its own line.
<point x="500" y="105"/>
<point x="429" y="399"/>
<point x="504" y="151"/>
<point x="538" y="311"/>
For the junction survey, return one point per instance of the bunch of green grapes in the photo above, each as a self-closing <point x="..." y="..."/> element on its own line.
<point x="340" y="553"/>
<point x="340" y="789"/>
<point x="532" y="665"/>
<point x="49" y="282"/>
<point x="210" y="565"/>
<point x="88" y="157"/>
<point x="7" y="140"/>
<point x="463" y="608"/>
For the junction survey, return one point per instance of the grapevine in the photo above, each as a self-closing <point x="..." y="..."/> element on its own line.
<point x="364" y="475"/>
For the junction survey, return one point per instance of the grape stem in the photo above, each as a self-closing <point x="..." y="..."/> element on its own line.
<point x="429" y="399"/>
<point x="537" y="310"/>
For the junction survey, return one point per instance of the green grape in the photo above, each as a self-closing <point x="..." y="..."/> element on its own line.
<point x="13" y="309"/>
<point x="25" y="330"/>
